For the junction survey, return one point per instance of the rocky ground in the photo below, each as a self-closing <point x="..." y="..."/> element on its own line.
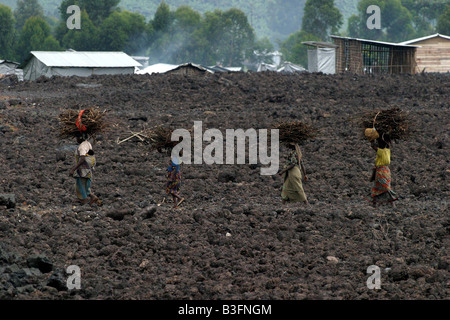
<point x="232" y="238"/>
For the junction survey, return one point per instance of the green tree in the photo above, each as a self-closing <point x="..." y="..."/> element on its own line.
<point x="123" y="31"/>
<point x="443" y="23"/>
<point x="6" y="32"/>
<point x="160" y="48"/>
<point x="26" y="9"/>
<point x="93" y="14"/>
<point x="163" y="18"/>
<point x="353" y="26"/>
<point x="230" y="36"/>
<point x="35" y="35"/>
<point x="212" y="31"/>
<point x="239" y="38"/>
<point x="396" y="21"/>
<point x="98" y="10"/>
<point x="184" y="35"/>
<point x="294" y="51"/>
<point x="186" y="19"/>
<point x="84" y="39"/>
<point x="424" y="14"/>
<point x="50" y="44"/>
<point x="321" y="18"/>
<point x="183" y="38"/>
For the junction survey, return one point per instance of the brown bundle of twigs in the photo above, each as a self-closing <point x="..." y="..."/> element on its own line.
<point x="91" y="119"/>
<point x="295" y="131"/>
<point x="160" y="138"/>
<point x="391" y="124"/>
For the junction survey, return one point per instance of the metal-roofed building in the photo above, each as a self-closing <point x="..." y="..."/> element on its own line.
<point x="433" y="55"/>
<point x="362" y="56"/>
<point x="77" y="63"/>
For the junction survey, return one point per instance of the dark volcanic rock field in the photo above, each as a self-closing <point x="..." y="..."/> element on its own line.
<point x="232" y="238"/>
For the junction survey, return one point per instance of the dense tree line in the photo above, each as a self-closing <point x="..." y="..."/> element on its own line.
<point x="172" y="36"/>
<point x="178" y="35"/>
<point x="401" y="20"/>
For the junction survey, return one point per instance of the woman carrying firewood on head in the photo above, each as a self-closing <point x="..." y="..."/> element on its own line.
<point x="292" y="173"/>
<point x="82" y="171"/>
<point x="381" y="174"/>
<point x="81" y="125"/>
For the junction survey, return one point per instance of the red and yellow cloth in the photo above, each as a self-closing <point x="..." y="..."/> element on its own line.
<point x="381" y="190"/>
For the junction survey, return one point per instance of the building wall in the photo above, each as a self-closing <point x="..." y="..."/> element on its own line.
<point x="355" y="56"/>
<point x="433" y="55"/>
<point x="348" y="56"/>
<point x="35" y="69"/>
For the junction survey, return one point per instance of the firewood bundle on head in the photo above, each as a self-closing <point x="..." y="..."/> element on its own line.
<point x="160" y="138"/>
<point x="88" y="121"/>
<point x="391" y="124"/>
<point x="295" y="132"/>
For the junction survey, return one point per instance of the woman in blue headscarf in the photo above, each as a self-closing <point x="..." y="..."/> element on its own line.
<point x="174" y="181"/>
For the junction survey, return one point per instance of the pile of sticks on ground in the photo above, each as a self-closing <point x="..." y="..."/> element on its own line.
<point x="92" y="118"/>
<point x="295" y="131"/>
<point x="392" y="123"/>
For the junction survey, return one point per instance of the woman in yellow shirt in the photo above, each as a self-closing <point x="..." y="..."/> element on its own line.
<point x="381" y="176"/>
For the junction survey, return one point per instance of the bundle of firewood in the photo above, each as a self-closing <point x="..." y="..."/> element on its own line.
<point x="391" y="124"/>
<point x="91" y="122"/>
<point x="295" y="131"/>
<point x="160" y="138"/>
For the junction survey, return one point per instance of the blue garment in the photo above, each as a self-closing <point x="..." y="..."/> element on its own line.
<point x="174" y="165"/>
<point x="83" y="187"/>
<point x="173" y="177"/>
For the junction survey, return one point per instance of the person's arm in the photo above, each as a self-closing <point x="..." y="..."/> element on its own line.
<point x="286" y="169"/>
<point x="303" y="170"/>
<point x="372" y="177"/>
<point x="374" y="145"/>
<point x="80" y="162"/>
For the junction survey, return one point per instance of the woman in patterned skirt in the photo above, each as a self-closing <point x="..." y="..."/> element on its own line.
<point x="174" y="181"/>
<point x="381" y="175"/>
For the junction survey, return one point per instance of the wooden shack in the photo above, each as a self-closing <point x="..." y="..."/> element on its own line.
<point x="433" y="53"/>
<point x="362" y="56"/>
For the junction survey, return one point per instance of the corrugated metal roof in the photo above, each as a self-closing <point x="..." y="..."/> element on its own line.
<point x="320" y="44"/>
<point x="92" y="59"/>
<point x="376" y="42"/>
<point x="426" y="38"/>
<point x="8" y="61"/>
<point x="193" y="65"/>
<point x="157" y="68"/>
